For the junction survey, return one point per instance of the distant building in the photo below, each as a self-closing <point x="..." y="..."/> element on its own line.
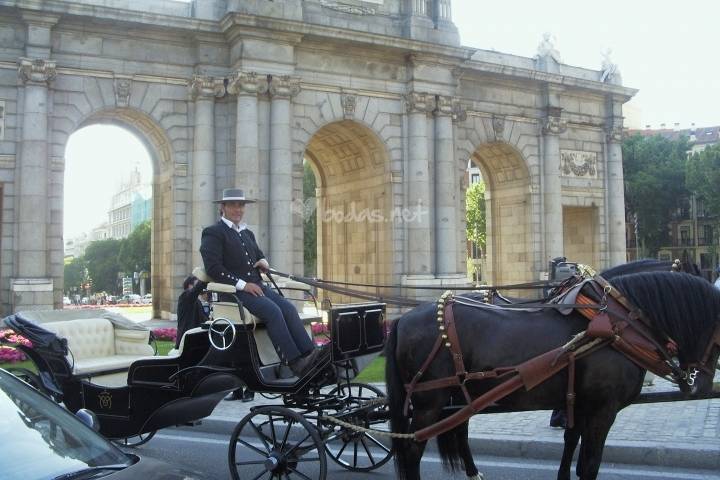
<point x="75" y="247"/>
<point x="131" y="205"/>
<point x="691" y="227"/>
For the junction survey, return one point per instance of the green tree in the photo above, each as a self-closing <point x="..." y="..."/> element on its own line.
<point x="475" y="214"/>
<point x="703" y="176"/>
<point x="134" y="255"/>
<point x="74" y="274"/>
<point x="654" y="170"/>
<point x="309" y="221"/>
<point x="102" y="264"/>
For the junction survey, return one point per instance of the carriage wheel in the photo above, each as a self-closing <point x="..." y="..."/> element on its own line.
<point x="353" y="450"/>
<point x="276" y="442"/>
<point x="135" y="440"/>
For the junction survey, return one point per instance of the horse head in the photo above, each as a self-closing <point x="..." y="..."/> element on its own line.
<point x="686" y="309"/>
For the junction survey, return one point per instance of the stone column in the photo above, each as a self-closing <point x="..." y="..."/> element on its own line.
<point x="420" y="261"/>
<point x="247" y="87"/>
<point x="446" y="249"/>
<point x="615" y="196"/>
<point x="281" y="248"/>
<point x="553" y="126"/>
<point x="33" y="285"/>
<point x="204" y="212"/>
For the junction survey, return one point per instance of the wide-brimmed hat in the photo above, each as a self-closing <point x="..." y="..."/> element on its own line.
<point x="233" y="195"/>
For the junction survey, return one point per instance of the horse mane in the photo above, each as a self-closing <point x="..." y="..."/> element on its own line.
<point x="637" y="266"/>
<point x="683" y="306"/>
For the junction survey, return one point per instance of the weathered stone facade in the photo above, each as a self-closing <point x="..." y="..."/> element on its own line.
<point x="378" y="95"/>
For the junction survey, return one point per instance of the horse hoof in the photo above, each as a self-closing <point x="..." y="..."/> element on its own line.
<point x="479" y="476"/>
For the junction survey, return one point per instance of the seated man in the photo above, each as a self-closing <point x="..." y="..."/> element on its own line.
<point x="232" y="256"/>
<point x="191" y="312"/>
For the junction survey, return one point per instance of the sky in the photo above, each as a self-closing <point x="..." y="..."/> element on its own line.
<point x="664" y="49"/>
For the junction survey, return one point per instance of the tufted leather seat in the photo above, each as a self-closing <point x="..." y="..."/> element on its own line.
<point x="96" y="346"/>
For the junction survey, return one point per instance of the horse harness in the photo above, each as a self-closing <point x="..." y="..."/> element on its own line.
<point x="613" y="321"/>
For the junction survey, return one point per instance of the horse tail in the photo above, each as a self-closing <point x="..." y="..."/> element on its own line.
<point x="396" y="394"/>
<point x="450" y="444"/>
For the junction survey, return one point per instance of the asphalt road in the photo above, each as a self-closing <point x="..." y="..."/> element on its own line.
<point x="207" y="453"/>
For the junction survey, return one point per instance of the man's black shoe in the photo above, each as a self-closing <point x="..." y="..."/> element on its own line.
<point x="248" y="396"/>
<point x="234" y="395"/>
<point x="302" y="365"/>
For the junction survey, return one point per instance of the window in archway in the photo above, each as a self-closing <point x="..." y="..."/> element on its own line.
<point x="107" y="212"/>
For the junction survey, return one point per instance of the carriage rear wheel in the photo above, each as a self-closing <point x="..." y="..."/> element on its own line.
<point x="276" y="442"/>
<point x="135" y="440"/>
<point x="354" y="450"/>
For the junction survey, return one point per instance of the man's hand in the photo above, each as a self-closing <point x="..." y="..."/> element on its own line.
<point x="253" y="289"/>
<point x="263" y="265"/>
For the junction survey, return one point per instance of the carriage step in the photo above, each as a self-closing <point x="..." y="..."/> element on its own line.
<point x="194" y="423"/>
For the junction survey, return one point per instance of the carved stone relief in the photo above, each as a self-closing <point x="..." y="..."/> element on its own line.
<point x="576" y="163"/>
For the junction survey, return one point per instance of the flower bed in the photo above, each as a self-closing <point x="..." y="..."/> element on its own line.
<point x="169" y="334"/>
<point x="10" y="354"/>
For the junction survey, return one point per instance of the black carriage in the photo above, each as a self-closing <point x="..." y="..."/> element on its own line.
<point x="324" y="413"/>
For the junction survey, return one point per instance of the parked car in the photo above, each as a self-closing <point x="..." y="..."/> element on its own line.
<point x="147" y="298"/>
<point x="49" y="442"/>
<point x="132" y="299"/>
<point x="66" y="301"/>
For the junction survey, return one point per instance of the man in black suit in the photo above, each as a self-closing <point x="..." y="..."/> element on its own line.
<point x="231" y="255"/>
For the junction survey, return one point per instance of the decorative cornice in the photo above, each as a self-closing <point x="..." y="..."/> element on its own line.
<point x="444" y="106"/>
<point x="614" y="133"/>
<point x="36" y="71"/>
<point x="123" y="87"/>
<point x="247" y="83"/>
<point x="419" y="102"/>
<point x="345" y="8"/>
<point x="348" y="102"/>
<point x="284" y="86"/>
<point x="203" y="86"/>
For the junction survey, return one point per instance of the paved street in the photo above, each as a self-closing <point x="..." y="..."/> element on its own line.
<point x="206" y="452"/>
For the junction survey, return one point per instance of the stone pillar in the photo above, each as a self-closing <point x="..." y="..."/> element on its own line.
<point x="247" y="86"/>
<point x="446" y="242"/>
<point x="615" y="196"/>
<point x="552" y="189"/>
<point x="33" y="285"/>
<point x="204" y="212"/>
<point x="420" y="261"/>
<point x="281" y="248"/>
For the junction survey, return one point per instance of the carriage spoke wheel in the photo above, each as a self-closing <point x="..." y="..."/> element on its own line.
<point x="353" y="450"/>
<point x="276" y="442"/>
<point x="135" y="440"/>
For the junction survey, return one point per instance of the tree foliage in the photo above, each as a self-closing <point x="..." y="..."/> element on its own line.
<point x="102" y="264"/>
<point x="703" y="176"/>
<point x="106" y="259"/>
<point x="75" y="274"/>
<point x="134" y="255"/>
<point x="654" y="170"/>
<point x="475" y="214"/>
<point x="309" y="221"/>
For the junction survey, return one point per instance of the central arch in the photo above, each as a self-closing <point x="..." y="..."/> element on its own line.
<point x="507" y="197"/>
<point x="354" y="204"/>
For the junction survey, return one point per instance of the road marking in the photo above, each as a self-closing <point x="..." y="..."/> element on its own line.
<point x="525" y="465"/>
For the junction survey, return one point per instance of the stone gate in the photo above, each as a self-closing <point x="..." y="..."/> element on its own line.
<point x="378" y="95"/>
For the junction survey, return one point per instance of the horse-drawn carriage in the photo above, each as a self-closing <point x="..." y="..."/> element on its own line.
<point x="446" y="362"/>
<point x="323" y="413"/>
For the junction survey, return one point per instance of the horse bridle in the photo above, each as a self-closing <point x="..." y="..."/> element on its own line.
<point x="703" y="364"/>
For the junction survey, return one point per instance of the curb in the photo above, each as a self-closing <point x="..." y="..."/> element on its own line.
<point x="622" y="452"/>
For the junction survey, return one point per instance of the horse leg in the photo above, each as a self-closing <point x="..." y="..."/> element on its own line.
<point x="594" y="436"/>
<point x="572" y="436"/>
<point x="413" y="450"/>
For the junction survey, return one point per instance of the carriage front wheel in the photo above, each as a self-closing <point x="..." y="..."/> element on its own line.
<point x="135" y="440"/>
<point x="276" y="442"/>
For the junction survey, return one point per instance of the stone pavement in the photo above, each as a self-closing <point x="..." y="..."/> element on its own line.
<point x="675" y="434"/>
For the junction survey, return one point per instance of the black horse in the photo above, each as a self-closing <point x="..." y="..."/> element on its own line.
<point x="684" y="307"/>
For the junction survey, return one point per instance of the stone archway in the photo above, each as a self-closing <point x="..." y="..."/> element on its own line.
<point x="507" y="183"/>
<point x="156" y="143"/>
<point x="354" y="204"/>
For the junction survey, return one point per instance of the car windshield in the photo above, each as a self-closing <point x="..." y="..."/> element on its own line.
<point x="42" y="440"/>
